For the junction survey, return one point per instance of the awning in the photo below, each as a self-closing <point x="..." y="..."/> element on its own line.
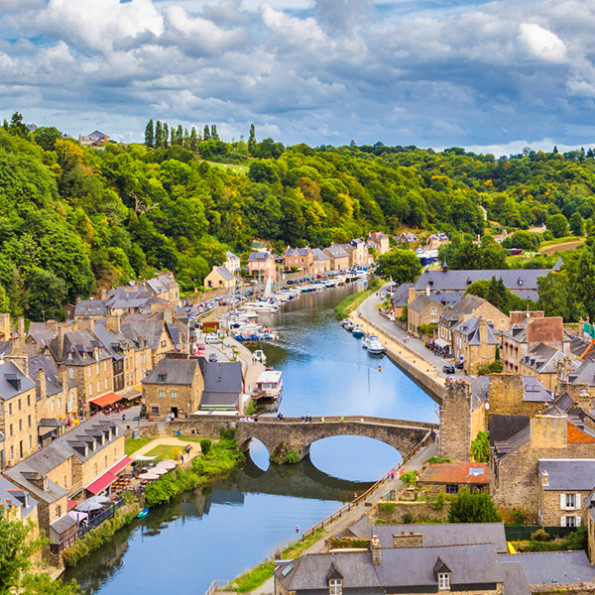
<point x="441" y="342"/>
<point x="102" y="483"/>
<point x="72" y="504"/>
<point x="120" y="465"/>
<point x="105" y="400"/>
<point x="131" y="393"/>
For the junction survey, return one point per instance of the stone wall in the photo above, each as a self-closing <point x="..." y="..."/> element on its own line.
<point x="455" y="422"/>
<point x="505" y="396"/>
<point x="567" y="589"/>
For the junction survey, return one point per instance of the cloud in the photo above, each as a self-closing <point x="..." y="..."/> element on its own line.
<point x="541" y="44"/>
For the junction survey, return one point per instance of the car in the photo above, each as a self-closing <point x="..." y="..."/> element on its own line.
<point x="448" y="369"/>
<point x="200" y="346"/>
<point x="212" y="339"/>
<point x="212" y="357"/>
<point x="459" y="365"/>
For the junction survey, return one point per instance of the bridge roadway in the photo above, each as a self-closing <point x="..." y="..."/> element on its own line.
<point x="292" y="433"/>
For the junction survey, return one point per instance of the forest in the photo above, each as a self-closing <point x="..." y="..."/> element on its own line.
<point x="74" y="219"/>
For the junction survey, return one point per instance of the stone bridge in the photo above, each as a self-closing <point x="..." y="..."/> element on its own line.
<point x="279" y="437"/>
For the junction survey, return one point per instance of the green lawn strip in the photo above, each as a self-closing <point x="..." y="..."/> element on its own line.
<point x="190" y="438"/>
<point x="297" y="548"/>
<point x="135" y="444"/>
<point x="166" y="451"/>
<point x="353" y="301"/>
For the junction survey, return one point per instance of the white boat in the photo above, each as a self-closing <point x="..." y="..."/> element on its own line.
<point x="260" y="356"/>
<point x="264" y="306"/>
<point x="347" y="325"/>
<point x="365" y="341"/>
<point x="268" y="386"/>
<point x="375" y="347"/>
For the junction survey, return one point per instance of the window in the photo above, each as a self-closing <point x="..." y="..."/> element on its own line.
<point x="70" y="372"/>
<point x="30" y="443"/>
<point x="443" y="581"/>
<point x="161" y="377"/>
<point x="99" y="386"/>
<point x="163" y="343"/>
<point x="570" y="501"/>
<point x="90" y="389"/>
<point x="452" y="488"/>
<point x="52" y="405"/>
<point x="20" y="404"/>
<point x="155" y="410"/>
<point x="335" y="586"/>
<point x="106" y="384"/>
<point x="29" y="421"/>
<point x="174" y="394"/>
<point x="20" y="425"/>
<point x="58" y="511"/>
<point x="90" y="372"/>
<point x="59" y="402"/>
<point x="10" y="430"/>
<point x="105" y="366"/>
<point x="97" y="367"/>
<point x="570" y="521"/>
<point x="10" y="409"/>
<point x="162" y="394"/>
<point x="28" y="400"/>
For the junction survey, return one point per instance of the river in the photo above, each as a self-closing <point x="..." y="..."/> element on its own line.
<point x="217" y="532"/>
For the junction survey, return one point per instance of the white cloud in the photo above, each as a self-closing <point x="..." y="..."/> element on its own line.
<point x="541" y="43"/>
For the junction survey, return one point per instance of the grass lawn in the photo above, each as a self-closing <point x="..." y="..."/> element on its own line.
<point x="166" y="451"/>
<point x="134" y="444"/>
<point x="192" y="439"/>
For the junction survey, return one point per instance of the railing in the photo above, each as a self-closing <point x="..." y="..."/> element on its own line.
<point x="108" y="513"/>
<point x="215" y="586"/>
<point x="361" y="498"/>
<point x="75" y="487"/>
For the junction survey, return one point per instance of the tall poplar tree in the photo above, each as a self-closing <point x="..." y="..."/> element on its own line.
<point x="165" y="135"/>
<point x="149" y="135"/>
<point x="252" y="140"/>
<point x="206" y="135"/>
<point x="158" y="139"/>
<point x="193" y="139"/>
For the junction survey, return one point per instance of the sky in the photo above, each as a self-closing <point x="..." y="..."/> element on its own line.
<point x="488" y="76"/>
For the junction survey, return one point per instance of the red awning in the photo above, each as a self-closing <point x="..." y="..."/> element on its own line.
<point x="102" y="483"/>
<point x="72" y="504"/>
<point x="120" y="465"/>
<point x="105" y="400"/>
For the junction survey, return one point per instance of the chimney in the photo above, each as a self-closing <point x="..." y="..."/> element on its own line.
<point x="112" y="323"/>
<point x="584" y="399"/>
<point x="483" y="329"/>
<point x="5" y="326"/>
<point x="548" y="431"/>
<point x="52" y="325"/>
<point x="445" y="266"/>
<point x="376" y="551"/>
<point x="427" y="290"/>
<point x="21" y="361"/>
<point x="64" y="382"/>
<point x="41" y="389"/>
<point x="405" y="540"/>
<point x="103" y="293"/>
<point x="411" y="295"/>
<point x="545" y="478"/>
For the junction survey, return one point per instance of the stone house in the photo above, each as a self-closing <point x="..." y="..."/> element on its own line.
<point x="339" y="257"/>
<point x="436" y="240"/>
<point x="321" y="262"/>
<point x="400" y="299"/>
<point x="474" y="342"/>
<point x="232" y="262"/>
<point x="223" y="386"/>
<point x="262" y="264"/>
<point x="514" y="461"/>
<point x="92" y="139"/>
<point x="407" y="237"/>
<point x="165" y="287"/>
<point x="18" y="420"/>
<point x="527" y="330"/>
<point x="301" y="258"/>
<point x="219" y="277"/>
<point x="509" y="394"/>
<point x="423" y="310"/>
<point x="379" y="241"/>
<point x="543" y="362"/>
<point x="565" y="485"/>
<point x="470" y="306"/>
<point x="173" y="387"/>
<point x="17" y="505"/>
<point x="451" y="477"/>
<point x="154" y="334"/>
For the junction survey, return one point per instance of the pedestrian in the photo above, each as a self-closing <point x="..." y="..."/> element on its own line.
<point x="355" y="496"/>
<point x="433" y="436"/>
<point x="182" y="457"/>
<point x="322" y="420"/>
<point x="297" y="528"/>
<point x="392" y="474"/>
<point x="342" y="418"/>
<point x="361" y="419"/>
<point x="123" y="417"/>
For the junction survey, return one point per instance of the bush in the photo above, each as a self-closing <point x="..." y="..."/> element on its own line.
<point x="439" y="501"/>
<point x="577" y="540"/>
<point x="480" y="447"/>
<point x="291" y="457"/>
<point x="407" y="518"/>
<point x="205" y="446"/>
<point x="473" y="508"/>
<point x="410" y="477"/>
<point x="387" y="507"/>
<point x="518" y="517"/>
<point x="540" y="535"/>
<point x="438" y="460"/>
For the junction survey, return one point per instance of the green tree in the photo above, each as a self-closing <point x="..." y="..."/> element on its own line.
<point x="206" y="133"/>
<point x="179" y="135"/>
<point x="473" y="508"/>
<point x="480" y="447"/>
<point x="193" y="142"/>
<point x="497" y="293"/>
<point x="584" y="282"/>
<point x="44" y="296"/>
<point x="159" y="134"/>
<point x="402" y="266"/>
<point x="524" y="240"/>
<point x="252" y="140"/>
<point x="165" y="135"/>
<point x="214" y="134"/>
<point x="46" y="137"/>
<point x="557" y="225"/>
<point x="576" y="224"/>
<point x="149" y="135"/>
<point x="16" y="127"/>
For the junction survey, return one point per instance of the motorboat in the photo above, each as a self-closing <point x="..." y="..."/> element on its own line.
<point x="375" y="347"/>
<point x="268" y="386"/>
<point x="347" y="325"/>
<point x="260" y="356"/>
<point x="365" y="341"/>
<point x="357" y="332"/>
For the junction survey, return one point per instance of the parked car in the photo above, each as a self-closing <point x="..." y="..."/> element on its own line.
<point x="448" y="369"/>
<point x="459" y="365"/>
<point x="212" y="339"/>
<point x="212" y="357"/>
<point x="200" y="346"/>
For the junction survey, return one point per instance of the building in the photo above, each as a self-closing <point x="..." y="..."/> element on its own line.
<point x="407" y="237"/>
<point x="155" y="337"/>
<point x="423" y="310"/>
<point x="93" y="139"/>
<point x="262" y="264"/>
<point x="378" y="241"/>
<point x="339" y="257"/>
<point x="165" y="287"/>
<point x="223" y="386"/>
<point x="451" y="477"/>
<point x="321" y="262"/>
<point x="300" y="258"/>
<point x="220" y="278"/>
<point x="436" y="240"/>
<point x="232" y="262"/>
<point x="565" y="485"/>
<point x="474" y="343"/>
<point x="543" y="362"/>
<point x="173" y="387"/>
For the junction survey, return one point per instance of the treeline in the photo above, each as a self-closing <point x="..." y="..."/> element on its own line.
<point x="74" y="219"/>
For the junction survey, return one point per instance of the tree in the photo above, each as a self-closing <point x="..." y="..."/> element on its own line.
<point x="165" y="136"/>
<point x="158" y="139"/>
<point x="149" y="135"/>
<point x="252" y="140"/>
<point x="497" y="295"/>
<point x="557" y="225"/>
<point x="206" y="134"/>
<point x="480" y="447"/>
<point x="584" y="282"/>
<point x="46" y="137"/>
<point x="556" y="296"/>
<point x="193" y="143"/>
<point x="214" y="134"/>
<point x="16" y="127"/>
<point x="179" y="135"/>
<point x="402" y="266"/>
<point x="44" y="296"/>
<point x="473" y="508"/>
<point x="576" y="223"/>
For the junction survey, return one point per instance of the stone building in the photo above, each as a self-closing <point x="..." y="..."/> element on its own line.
<point x="165" y="287"/>
<point x="300" y="258"/>
<point x="543" y="362"/>
<point x="451" y="477"/>
<point x="321" y="262"/>
<point x="263" y="264"/>
<point x="219" y="278"/>
<point x="379" y="241"/>
<point x="339" y="257"/>
<point x="423" y="310"/>
<point x="173" y="387"/>
<point x="474" y="342"/>
<point x="509" y="394"/>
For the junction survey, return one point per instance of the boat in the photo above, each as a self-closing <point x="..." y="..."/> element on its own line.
<point x="260" y="356"/>
<point x="365" y="341"/>
<point x="348" y="325"/>
<point x="268" y="386"/>
<point x="143" y="513"/>
<point x="357" y="332"/>
<point x="375" y="347"/>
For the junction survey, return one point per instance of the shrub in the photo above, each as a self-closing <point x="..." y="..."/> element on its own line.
<point x="439" y="501"/>
<point x="540" y="535"/>
<point x="410" y="477"/>
<point x="577" y="540"/>
<point x="387" y="507"/>
<point x="407" y="518"/>
<point x="518" y="517"/>
<point x="473" y="508"/>
<point x="480" y="447"/>
<point x="438" y="460"/>
<point x="205" y="446"/>
<point x="291" y="457"/>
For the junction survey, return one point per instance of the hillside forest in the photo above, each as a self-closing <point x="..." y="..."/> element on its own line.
<point x="74" y="219"/>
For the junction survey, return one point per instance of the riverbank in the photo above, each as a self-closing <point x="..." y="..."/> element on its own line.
<point x="353" y="301"/>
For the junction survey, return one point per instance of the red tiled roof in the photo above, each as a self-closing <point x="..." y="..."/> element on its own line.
<point x="102" y="482"/>
<point x="576" y="436"/>
<point x="120" y="465"/>
<point x="105" y="400"/>
<point x="456" y="472"/>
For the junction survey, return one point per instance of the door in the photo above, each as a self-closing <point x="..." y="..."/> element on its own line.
<point x="174" y="410"/>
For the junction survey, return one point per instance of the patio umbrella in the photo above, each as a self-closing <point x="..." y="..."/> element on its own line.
<point x="148" y="475"/>
<point x="100" y="499"/>
<point x="88" y="506"/>
<point x="166" y="464"/>
<point x="158" y="470"/>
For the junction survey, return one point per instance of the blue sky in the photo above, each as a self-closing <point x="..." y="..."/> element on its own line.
<point x="488" y="76"/>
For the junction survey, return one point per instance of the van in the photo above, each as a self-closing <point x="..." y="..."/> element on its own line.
<point x="212" y="339"/>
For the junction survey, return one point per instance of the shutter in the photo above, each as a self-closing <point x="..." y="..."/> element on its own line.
<point x="562" y="501"/>
<point x="578" y="521"/>
<point x="562" y="521"/>
<point x="578" y="501"/>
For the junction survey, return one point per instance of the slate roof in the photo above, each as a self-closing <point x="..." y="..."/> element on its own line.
<point x="177" y="371"/>
<point x="422" y="301"/>
<point x="535" y="392"/>
<point x="12" y="495"/>
<point x="336" y="251"/>
<point x="297" y="252"/>
<point x="568" y="474"/>
<point x="522" y="282"/>
<point x="434" y="535"/>
<point x="503" y="427"/>
<point x="223" y="383"/>
<point x="470" y="329"/>
<point x="63" y="524"/>
<point x="319" y="254"/>
<point x="225" y="273"/>
<point x="466" y="306"/>
<point x="259" y="256"/>
<point x="515" y="581"/>
<point x="143" y="331"/>
<point x="161" y="283"/>
<point x="53" y="383"/>
<point x="91" y="308"/>
<point x="13" y="382"/>
<point x="401" y="295"/>
<point x="230" y="255"/>
<point x="543" y="359"/>
<point x="552" y="567"/>
<point x="77" y="348"/>
<point x="585" y="374"/>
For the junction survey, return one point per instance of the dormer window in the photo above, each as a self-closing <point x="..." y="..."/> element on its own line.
<point x="444" y="581"/>
<point x="161" y="377"/>
<point x="335" y="586"/>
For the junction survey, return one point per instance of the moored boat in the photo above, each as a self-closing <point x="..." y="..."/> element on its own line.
<point x="357" y="332"/>
<point x="268" y="386"/>
<point x="375" y="347"/>
<point x="143" y="513"/>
